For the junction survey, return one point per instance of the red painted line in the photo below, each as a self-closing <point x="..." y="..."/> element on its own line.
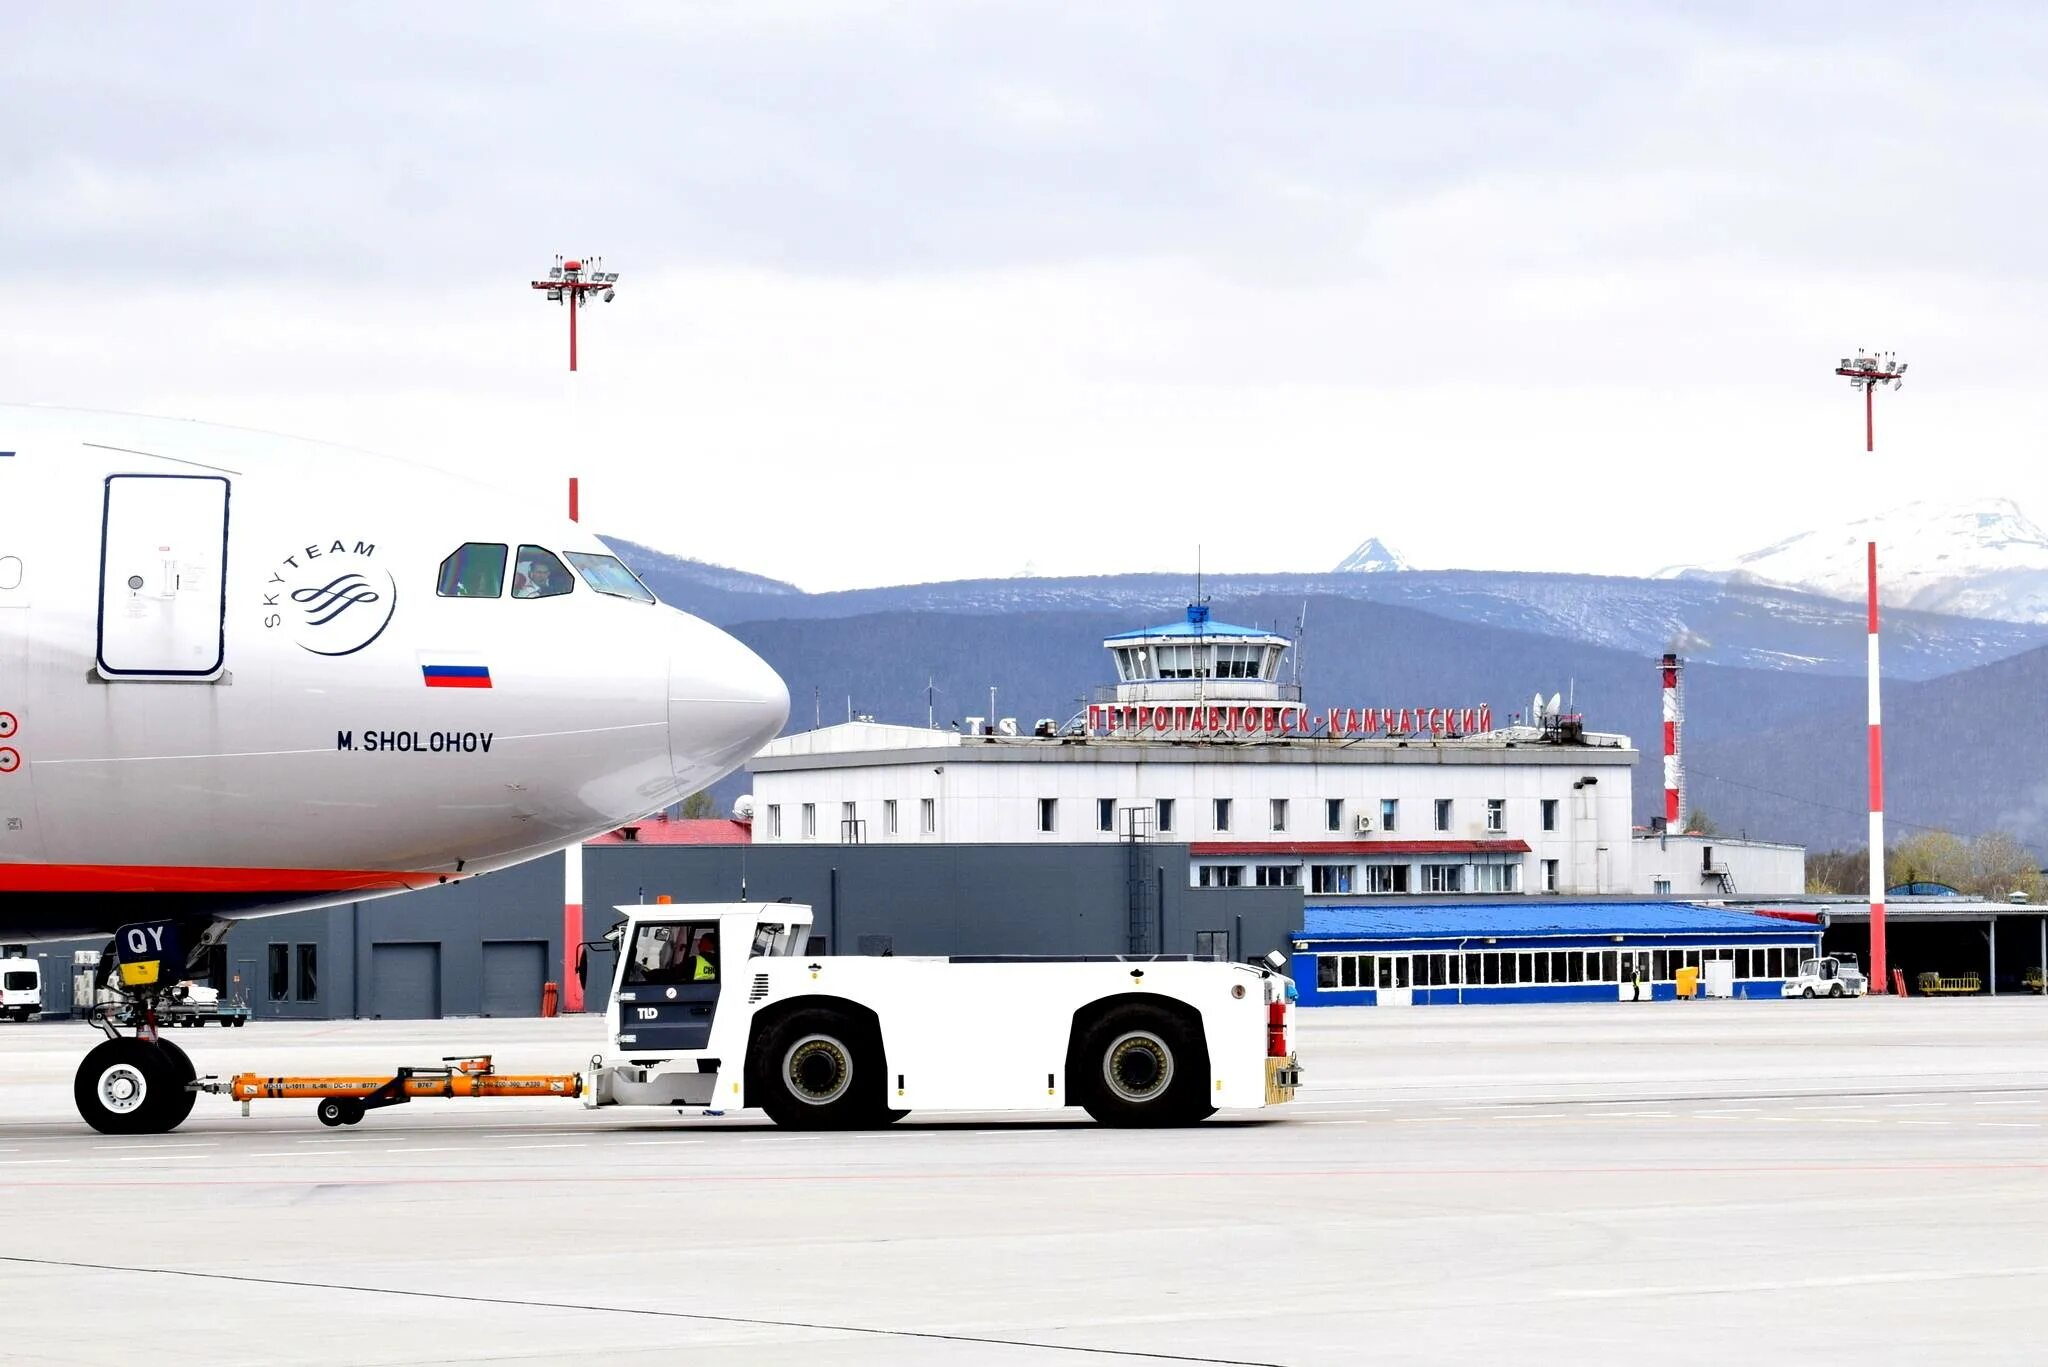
<point x="1877" y="767"/>
<point x="144" y="878"/>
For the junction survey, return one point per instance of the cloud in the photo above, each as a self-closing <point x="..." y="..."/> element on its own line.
<point x="937" y="290"/>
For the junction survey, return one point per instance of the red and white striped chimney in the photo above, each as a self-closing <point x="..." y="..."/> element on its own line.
<point x="1877" y="946"/>
<point x="1674" y="773"/>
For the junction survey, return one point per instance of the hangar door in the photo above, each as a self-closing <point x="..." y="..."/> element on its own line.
<point x="405" y="981"/>
<point x="513" y="970"/>
<point x="163" y="577"/>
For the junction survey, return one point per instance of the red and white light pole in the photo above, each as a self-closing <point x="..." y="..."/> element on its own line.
<point x="572" y="282"/>
<point x="1866" y="373"/>
<point x="572" y="880"/>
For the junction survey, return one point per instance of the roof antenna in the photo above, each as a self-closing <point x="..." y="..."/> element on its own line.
<point x="1198" y="576"/>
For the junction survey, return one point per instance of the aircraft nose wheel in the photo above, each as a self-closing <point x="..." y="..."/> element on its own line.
<point x="131" y="1086"/>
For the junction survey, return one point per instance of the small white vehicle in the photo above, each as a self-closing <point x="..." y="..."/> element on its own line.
<point x="1829" y="976"/>
<point x="21" y="987"/>
<point x="716" y="1007"/>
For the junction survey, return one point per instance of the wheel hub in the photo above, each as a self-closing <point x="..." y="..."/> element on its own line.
<point x="1138" y="1067"/>
<point x="123" y="1089"/>
<point x="818" y="1070"/>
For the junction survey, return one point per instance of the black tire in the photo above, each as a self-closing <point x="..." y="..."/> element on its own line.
<point x="1808" y="994"/>
<point x="331" y="1111"/>
<point x="352" y="1112"/>
<point x="819" y="1070"/>
<point x="1140" y="1066"/>
<point x="128" y="1086"/>
<point x="1835" y="990"/>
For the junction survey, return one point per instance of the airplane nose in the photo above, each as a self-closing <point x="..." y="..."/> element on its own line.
<point x="724" y="703"/>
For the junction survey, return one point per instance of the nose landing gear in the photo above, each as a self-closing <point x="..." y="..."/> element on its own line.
<point x="140" y="1083"/>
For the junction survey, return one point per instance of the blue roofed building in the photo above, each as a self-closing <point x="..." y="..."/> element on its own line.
<point x="1526" y="950"/>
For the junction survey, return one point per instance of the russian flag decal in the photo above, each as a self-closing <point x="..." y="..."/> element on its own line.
<point x="454" y="671"/>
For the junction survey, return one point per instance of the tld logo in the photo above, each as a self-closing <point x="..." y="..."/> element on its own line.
<point x="647" y="1013"/>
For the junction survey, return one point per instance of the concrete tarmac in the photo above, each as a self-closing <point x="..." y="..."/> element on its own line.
<point x="1859" y="1181"/>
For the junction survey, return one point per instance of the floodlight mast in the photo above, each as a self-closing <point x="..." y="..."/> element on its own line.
<point x="1867" y="372"/>
<point x="571" y="281"/>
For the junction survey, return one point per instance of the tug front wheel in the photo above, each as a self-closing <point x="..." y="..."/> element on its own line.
<point x="132" y="1086"/>
<point x="819" y="1069"/>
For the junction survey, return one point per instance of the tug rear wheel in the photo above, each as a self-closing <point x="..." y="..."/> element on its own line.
<point x="1140" y="1066"/>
<point x="131" y="1086"/>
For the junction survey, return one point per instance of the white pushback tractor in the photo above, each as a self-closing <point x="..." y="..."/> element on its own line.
<point x="716" y="1006"/>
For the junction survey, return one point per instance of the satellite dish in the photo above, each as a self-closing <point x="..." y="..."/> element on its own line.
<point x="743" y="807"/>
<point x="1536" y="708"/>
<point x="1555" y="698"/>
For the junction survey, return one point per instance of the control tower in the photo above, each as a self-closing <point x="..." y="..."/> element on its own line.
<point x="1198" y="678"/>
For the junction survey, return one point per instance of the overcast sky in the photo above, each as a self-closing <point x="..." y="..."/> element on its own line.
<point x="925" y="291"/>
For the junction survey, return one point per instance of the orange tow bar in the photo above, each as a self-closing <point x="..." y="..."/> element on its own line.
<point x="344" y="1100"/>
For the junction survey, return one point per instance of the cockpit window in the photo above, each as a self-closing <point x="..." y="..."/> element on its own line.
<point x="538" y="574"/>
<point x="606" y="574"/>
<point x="475" y="570"/>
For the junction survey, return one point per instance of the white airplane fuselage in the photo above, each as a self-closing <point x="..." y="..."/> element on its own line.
<point x="243" y="674"/>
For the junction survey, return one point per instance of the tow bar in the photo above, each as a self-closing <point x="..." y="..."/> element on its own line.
<point x="345" y="1100"/>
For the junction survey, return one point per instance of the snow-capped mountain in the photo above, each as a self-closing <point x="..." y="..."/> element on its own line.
<point x="1979" y="559"/>
<point x="1371" y="557"/>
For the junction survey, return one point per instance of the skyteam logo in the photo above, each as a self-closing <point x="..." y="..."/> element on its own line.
<point x="331" y="598"/>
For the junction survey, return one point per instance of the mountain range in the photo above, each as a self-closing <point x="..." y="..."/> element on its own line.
<point x="1774" y="671"/>
<point x="1984" y="559"/>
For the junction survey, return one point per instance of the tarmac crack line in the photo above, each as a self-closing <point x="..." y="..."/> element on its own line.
<point x="757" y="1321"/>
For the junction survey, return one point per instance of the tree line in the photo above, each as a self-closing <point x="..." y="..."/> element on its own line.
<point x="1993" y="865"/>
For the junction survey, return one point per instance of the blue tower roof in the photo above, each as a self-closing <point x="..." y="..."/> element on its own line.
<point x="1196" y="626"/>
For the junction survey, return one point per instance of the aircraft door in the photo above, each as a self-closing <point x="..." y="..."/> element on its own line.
<point x="163" y="577"/>
<point x="669" y="992"/>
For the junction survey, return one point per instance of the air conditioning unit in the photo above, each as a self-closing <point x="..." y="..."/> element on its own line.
<point x="1364" y="825"/>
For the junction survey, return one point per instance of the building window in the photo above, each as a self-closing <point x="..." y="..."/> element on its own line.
<point x="1390" y="814"/>
<point x="1331" y="877"/>
<point x="1279" y="813"/>
<point x="1165" y="814"/>
<point x="1222" y="813"/>
<point x="1550" y="875"/>
<point x="1660" y="887"/>
<point x="1220" y="876"/>
<point x="280" y="973"/>
<point x="1496" y="814"/>
<point x="775" y="821"/>
<point x="1496" y="877"/>
<point x="1279" y="875"/>
<point x="1333" y="813"/>
<point x="1048" y="814"/>
<point x="1442" y="877"/>
<point x="309" y="973"/>
<point x="1443" y="814"/>
<point x="1549" y="813"/>
<point x="1212" y="944"/>
<point x="1386" y="878"/>
<point x="889" y="815"/>
<point x="809" y="829"/>
<point x="928" y="813"/>
<point x="849" y="823"/>
<point x="1105" y="813"/>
